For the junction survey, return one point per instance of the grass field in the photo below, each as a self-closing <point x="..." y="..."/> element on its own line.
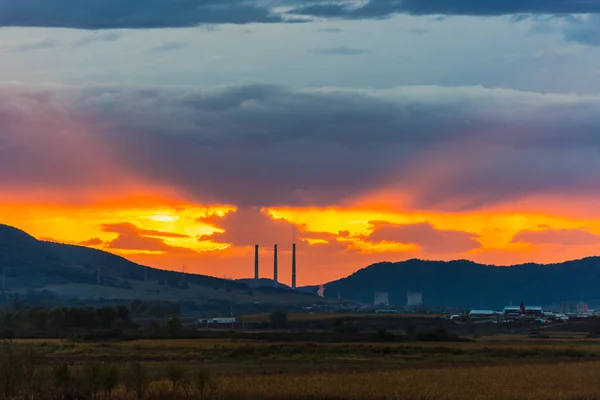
<point x="498" y="368"/>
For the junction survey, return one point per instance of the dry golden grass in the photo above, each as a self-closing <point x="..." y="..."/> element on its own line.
<point x="506" y="370"/>
<point x="535" y="382"/>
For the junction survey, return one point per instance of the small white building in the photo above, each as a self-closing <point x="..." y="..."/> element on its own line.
<point x="482" y="314"/>
<point x="227" y="320"/>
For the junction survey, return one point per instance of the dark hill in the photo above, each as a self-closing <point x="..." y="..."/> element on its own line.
<point x="31" y="263"/>
<point x="468" y="284"/>
<point x="263" y="283"/>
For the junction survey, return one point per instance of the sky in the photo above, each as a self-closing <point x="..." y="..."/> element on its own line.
<point x="180" y="133"/>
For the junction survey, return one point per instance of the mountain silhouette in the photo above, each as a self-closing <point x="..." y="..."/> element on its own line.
<point x="31" y="263"/>
<point x="467" y="284"/>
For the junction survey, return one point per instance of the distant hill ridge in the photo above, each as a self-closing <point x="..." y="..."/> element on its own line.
<point x="468" y="284"/>
<point x="29" y="262"/>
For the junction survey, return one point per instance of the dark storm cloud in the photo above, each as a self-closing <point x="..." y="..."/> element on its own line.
<point x="262" y="145"/>
<point x="137" y="14"/>
<point x="386" y="8"/>
<point x="131" y="14"/>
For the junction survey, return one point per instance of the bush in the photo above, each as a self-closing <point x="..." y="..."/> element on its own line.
<point x="110" y="380"/>
<point x="19" y="370"/>
<point x="138" y="380"/>
<point x="206" y="387"/>
<point x="437" y="335"/>
<point x="93" y="378"/>
<point x="174" y="326"/>
<point x="383" y="335"/>
<point x="175" y="374"/>
<point x="279" y="320"/>
<point x="342" y="326"/>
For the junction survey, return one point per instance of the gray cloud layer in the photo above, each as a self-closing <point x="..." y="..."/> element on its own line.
<point x="107" y="14"/>
<point x="263" y="145"/>
<point x="385" y="8"/>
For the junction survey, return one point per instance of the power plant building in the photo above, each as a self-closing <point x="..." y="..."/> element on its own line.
<point x="414" y="299"/>
<point x="382" y="299"/>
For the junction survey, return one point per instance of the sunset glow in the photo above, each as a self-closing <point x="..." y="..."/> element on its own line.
<point x="336" y="240"/>
<point x="365" y="136"/>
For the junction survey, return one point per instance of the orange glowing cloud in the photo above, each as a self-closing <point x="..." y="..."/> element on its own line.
<point x="167" y="176"/>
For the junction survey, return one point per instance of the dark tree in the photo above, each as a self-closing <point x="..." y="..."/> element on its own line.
<point x="279" y="320"/>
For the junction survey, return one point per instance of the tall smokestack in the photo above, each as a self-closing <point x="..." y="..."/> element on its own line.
<point x="256" y="265"/>
<point x="294" y="266"/>
<point x="275" y="277"/>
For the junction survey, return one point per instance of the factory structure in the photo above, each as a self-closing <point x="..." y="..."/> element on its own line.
<point x="523" y="312"/>
<point x="275" y="266"/>
<point x="381" y="300"/>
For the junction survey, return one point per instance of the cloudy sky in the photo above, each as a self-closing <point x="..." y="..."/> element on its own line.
<point x="183" y="132"/>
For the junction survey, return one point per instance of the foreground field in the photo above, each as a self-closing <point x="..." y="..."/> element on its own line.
<point x="513" y="368"/>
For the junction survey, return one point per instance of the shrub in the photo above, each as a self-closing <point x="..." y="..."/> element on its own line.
<point x="110" y="379"/>
<point x="279" y="319"/>
<point x="383" y="335"/>
<point x="137" y="380"/>
<point x="93" y="378"/>
<point x="11" y="370"/>
<point x="206" y="386"/>
<point x="437" y="335"/>
<point x="174" y="326"/>
<point x="175" y="374"/>
<point x="62" y="377"/>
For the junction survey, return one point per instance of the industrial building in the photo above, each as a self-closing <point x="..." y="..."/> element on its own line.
<point x="228" y="320"/>
<point x="523" y="311"/>
<point x="382" y="299"/>
<point x="483" y="314"/>
<point x="414" y="299"/>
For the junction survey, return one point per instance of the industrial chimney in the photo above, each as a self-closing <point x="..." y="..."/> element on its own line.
<point x="294" y="266"/>
<point x="275" y="277"/>
<point x="256" y="265"/>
